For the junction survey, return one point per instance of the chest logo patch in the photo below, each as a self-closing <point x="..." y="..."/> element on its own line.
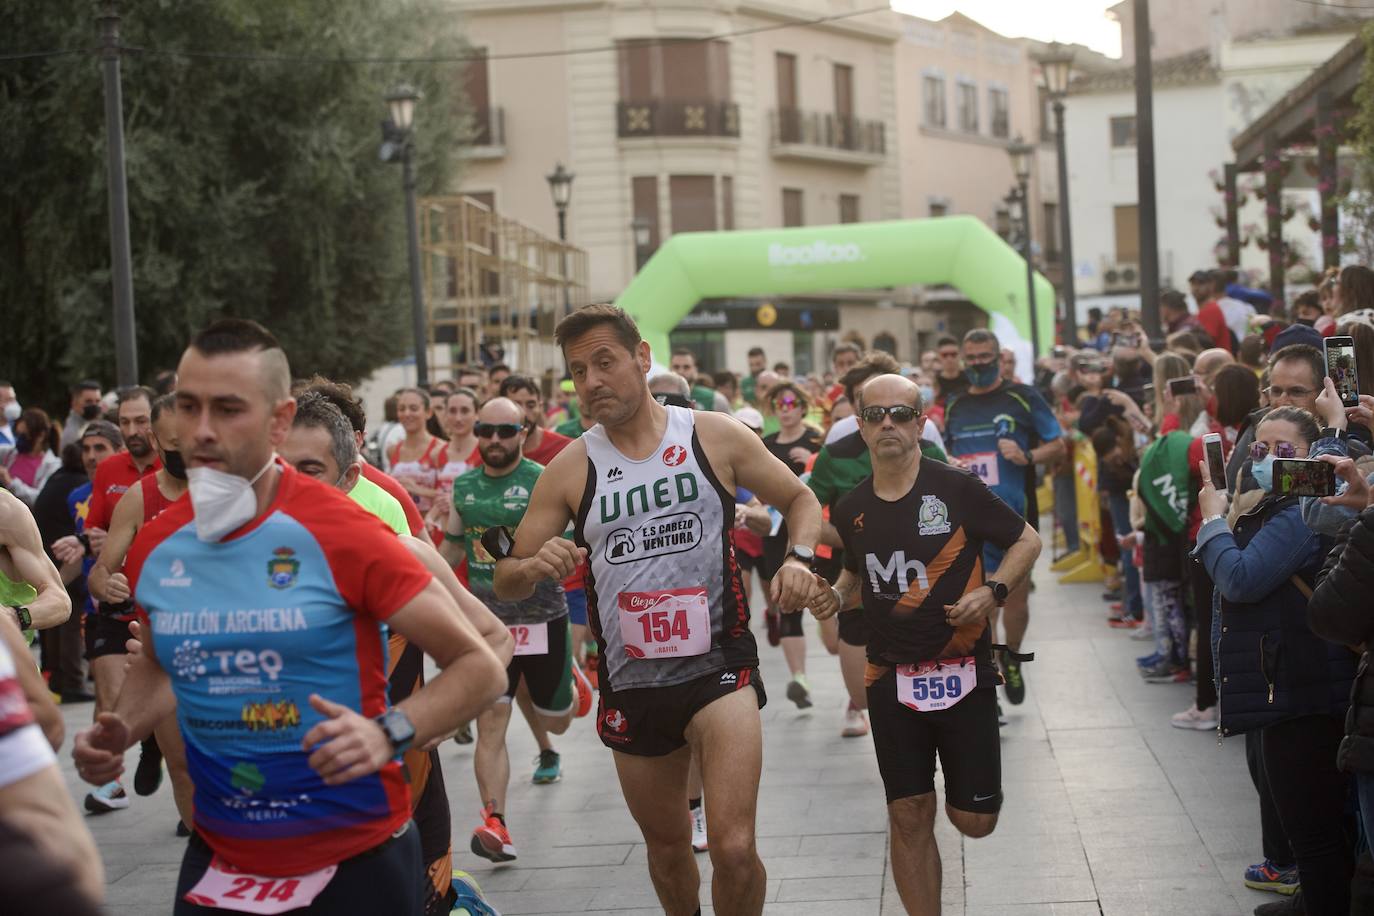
<point x="667" y="534"/>
<point x="934" y="517"/>
<point x="283" y="568"/>
<point x="674" y="455"/>
<point x="515" y="498"/>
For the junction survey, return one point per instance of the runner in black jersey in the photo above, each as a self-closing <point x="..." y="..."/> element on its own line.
<point x="913" y="538"/>
<point x="650" y="491"/>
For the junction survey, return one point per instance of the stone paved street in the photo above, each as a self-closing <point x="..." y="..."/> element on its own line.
<point x="1108" y="809"/>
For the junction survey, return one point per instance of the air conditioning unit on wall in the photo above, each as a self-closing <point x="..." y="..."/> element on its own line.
<point x="1120" y="278"/>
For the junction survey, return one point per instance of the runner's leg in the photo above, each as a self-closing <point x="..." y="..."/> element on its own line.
<point x="853" y="660"/>
<point x="108" y="671"/>
<point x="1017" y="616"/>
<point x="174" y="755"/>
<point x="654" y="788"/>
<point x="830" y="635"/>
<point x="727" y="737"/>
<point x="915" y="856"/>
<point x="794" y="644"/>
<point x="490" y="759"/>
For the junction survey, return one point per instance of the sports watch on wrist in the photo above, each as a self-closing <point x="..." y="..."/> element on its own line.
<point x="999" y="591"/>
<point x="801" y="552"/>
<point x="398" y="729"/>
<point x="22" y="615"/>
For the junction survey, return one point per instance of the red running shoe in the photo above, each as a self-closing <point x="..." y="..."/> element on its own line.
<point x="492" y="840"/>
<point x="583" y="686"/>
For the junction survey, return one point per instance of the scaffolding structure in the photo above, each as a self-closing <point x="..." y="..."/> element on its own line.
<point x="492" y="281"/>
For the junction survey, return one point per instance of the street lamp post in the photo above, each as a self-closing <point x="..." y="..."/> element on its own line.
<point x="1020" y="153"/>
<point x="643" y="235"/>
<point x="121" y="266"/>
<point x="398" y="142"/>
<point x="1056" y="66"/>
<point x="560" y="186"/>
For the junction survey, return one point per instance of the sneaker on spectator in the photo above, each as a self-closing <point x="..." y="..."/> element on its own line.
<point x="1162" y="672"/>
<point x="1291" y="906"/>
<point x="1195" y="719"/>
<point x="1124" y="622"/>
<point x="1143" y="633"/>
<point x="1267" y="876"/>
<point x="1150" y="659"/>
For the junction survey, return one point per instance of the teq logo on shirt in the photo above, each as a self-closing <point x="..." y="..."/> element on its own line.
<point x="818" y="252"/>
<point x="178" y="577"/>
<point x="674" y="455"/>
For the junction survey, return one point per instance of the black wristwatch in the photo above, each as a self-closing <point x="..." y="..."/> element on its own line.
<point x="803" y="553"/>
<point x="999" y="591"/>
<point x="25" y="619"/>
<point x="398" y="729"/>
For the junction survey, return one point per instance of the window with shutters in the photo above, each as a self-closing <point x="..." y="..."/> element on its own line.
<point x="692" y="200"/>
<point x="675" y="88"/>
<point x="792" y="207"/>
<point x="933" y="94"/>
<point x="999" y="113"/>
<point x="967" y="94"/>
<point x="849" y="208"/>
<point x="1123" y="131"/>
<point x="1127" y="220"/>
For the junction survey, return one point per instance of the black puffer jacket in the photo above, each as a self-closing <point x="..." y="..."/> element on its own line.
<point x="1342" y="610"/>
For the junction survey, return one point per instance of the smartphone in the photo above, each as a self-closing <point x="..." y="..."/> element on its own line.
<point x="1216" y="466"/>
<point x="1304" y="477"/>
<point x="1178" y="387"/>
<point x="1340" y="368"/>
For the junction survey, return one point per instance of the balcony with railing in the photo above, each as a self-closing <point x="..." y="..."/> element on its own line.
<point x="662" y="118"/>
<point x="486" y="136"/>
<point x="827" y="137"/>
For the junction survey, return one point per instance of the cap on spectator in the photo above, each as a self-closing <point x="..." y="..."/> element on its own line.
<point x="105" y="430"/>
<point x="750" y="418"/>
<point x="1296" y="334"/>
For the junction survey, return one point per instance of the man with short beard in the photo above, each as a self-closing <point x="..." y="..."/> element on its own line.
<point x="491" y="497"/>
<point x="118" y="473"/>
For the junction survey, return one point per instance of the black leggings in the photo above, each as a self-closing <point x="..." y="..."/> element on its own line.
<point x="1202" y="610"/>
<point x="389" y="878"/>
<point x="1311" y="794"/>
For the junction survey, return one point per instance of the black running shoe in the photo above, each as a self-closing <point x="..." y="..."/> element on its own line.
<point x="182" y="829"/>
<point x="148" y="776"/>
<point x="1016" y="683"/>
<point x="464" y="734"/>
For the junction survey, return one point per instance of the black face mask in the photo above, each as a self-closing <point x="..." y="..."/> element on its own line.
<point x="90" y="411"/>
<point x="174" y="464"/>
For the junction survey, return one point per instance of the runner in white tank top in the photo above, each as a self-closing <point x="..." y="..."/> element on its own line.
<point x="651" y="492"/>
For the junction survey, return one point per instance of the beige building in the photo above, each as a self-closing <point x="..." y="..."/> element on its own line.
<point x="777" y="120"/>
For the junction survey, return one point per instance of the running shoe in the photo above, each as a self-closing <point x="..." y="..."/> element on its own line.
<point x="1266" y="876"/>
<point x="492" y="840"/>
<point x="773" y="620"/>
<point x="182" y="830"/>
<point x="1162" y="672"/>
<point x="585" y="694"/>
<point x="1291" y="906"/>
<point x="591" y="663"/>
<point x="1195" y="719"/>
<point x="109" y="797"/>
<point x="1143" y="633"/>
<point x="464" y="734"/>
<point x="799" y="692"/>
<point x="548" y="767"/>
<point x="855" y="725"/>
<point x="1111" y="595"/>
<point x="1145" y="661"/>
<point x="1124" y="622"/>
<point x="1001" y="716"/>
<point x="1015" y="681"/>
<point x="699" y="829"/>
<point x="148" y="775"/>
<point x="468" y="899"/>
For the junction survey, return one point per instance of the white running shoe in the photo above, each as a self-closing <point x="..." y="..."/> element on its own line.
<point x="699" y="828"/>
<point x="107" y="798"/>
<point x="1195" y="719"/>
<point x="855" y="723"/>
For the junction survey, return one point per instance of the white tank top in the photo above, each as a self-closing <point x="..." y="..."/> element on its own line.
<point x="664" y="595"/>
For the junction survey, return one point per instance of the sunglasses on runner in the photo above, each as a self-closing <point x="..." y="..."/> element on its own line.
<point x="504" y="430"/>
<point x="780" y="403"/>
<point x="900" y="413"/>
<point x="1259" y="450"/>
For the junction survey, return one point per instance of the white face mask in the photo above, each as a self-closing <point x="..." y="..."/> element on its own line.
<point x="13" y="410"/>
<point x="222" y="502"/>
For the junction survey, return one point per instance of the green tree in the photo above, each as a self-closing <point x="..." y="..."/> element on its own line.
<point x="255" y="188"/>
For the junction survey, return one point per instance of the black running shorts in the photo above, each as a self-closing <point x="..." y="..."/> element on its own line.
<point x="652" y="721"/>
<point x="853" y="627"/>
<point x="548" y="675"/>
<point x="105" y="635"/>
<point x="964" y="735"/>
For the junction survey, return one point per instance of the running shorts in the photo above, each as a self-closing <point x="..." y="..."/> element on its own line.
<point x="547" y="676"/>
<point x="965" y="736"/>
<point x="992" y="557"/>
<point x="853" y="627"/>
<point x="652" y="721"/>
<point x="388" y="878"/>
<point x="577" y="606"/>
<point x="106" y="635"/>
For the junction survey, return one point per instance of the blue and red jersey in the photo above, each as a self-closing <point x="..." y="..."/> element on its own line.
<point x="291" y="604"/>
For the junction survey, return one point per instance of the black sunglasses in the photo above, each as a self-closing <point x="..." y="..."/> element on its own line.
<point x="504" y="430"/>
<point x="901" y="413"/>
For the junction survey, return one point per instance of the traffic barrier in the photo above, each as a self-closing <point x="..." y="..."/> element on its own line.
<point x="1086" y="565"/>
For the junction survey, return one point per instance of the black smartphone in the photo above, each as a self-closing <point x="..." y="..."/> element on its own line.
<point x="1340" y="367"/>
<point x="1304" y="477"/>
<point x="1216" y="465"/>
<point x="1178" y="387"/>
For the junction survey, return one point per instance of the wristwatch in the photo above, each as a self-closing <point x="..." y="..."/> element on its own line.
<point x="22" y="615"/>
<point x="802" y="552"/>
<point x="1332" y="432"/>
<point x="999" y="591"/>
<point x="398" y="729"/>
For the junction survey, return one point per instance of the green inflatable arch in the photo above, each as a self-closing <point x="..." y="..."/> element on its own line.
<point x="959" y="250"/>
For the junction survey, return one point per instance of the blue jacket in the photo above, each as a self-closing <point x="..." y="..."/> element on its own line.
<point x="1270" y="665"/>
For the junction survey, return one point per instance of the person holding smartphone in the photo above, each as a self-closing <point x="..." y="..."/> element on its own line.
<point x="1276" y="677"/>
